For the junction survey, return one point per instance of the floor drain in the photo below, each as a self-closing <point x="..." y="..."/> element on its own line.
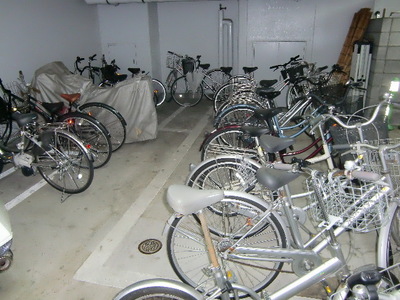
<point x="150" y="246"/>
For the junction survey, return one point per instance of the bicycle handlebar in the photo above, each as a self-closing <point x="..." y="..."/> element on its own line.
<point x="292" y="59"/>
<point x="91" y="58"/>
<point x="173" y="53"/>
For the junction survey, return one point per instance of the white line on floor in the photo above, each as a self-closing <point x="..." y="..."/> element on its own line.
<point x="93" y="269"/>
<point x="21" y="197"/>
<point x="8" y="172"/>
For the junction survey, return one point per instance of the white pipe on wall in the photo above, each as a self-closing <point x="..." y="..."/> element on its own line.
<point x="225" y="40"/>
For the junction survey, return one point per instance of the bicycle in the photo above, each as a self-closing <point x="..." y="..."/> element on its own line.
<point x="242" y="89"/>
<point x="197" y="81"/>
<point x="222" y="227"/>
<point x="237" y="112"/>
<point x="234" y="154"/>
<point x="93" y="73"/>
<point x="159" y="90"/>
<point x="108" y="116"/>
<point x="87" y="128"/>
<point x="56" y="153"/>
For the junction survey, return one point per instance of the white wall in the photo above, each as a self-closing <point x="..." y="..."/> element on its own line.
<point x="34" y="33"/>
<point x="192" y="28"/>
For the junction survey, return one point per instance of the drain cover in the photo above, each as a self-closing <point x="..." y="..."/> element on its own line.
<point x="150" y="246"/>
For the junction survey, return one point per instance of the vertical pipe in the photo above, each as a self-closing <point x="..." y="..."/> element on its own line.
<point x="220" y="37"/>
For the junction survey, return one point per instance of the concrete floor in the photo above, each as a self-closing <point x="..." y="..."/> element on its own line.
<point x="87" y="246"/>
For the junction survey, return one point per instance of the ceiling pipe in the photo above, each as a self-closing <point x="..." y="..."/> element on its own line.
<point x="116" y="2"/>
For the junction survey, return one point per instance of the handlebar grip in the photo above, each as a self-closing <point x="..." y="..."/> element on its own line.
<point x="79" y="59"/>
<point x="92" y="57"/>
<point x="282" y="166"/>
<point x="274" y="67"/>
<point x="364" y="175"/>
<point x="320" y="69"/>
<point x="294" y="58"/>
<point x="396" y="104"/>
<point x="341" y="147"/>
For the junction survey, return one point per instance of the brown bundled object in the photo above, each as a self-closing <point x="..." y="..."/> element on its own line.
<point x="356" y="33"/>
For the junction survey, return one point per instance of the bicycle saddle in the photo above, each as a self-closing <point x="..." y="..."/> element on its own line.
<point x="272" y="144"/>
<point x="268" y="93"/>
<point x="254" y="131"/>
<point x="274" y="179"/>
<point x="248" y="70"/>
<point x="204" y="66"/>
<point x="267" y="113"/>
<point x="134" y="71"/>
<point x="187" y="200"/>
<point x="24" y="119"/>
<point x="268" y="83"/>
<point x="53" y="107"/>
<point x="226" y="70"/>
<point x="71" y="98"/>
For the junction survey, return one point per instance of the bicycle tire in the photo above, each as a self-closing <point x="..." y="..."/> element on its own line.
<point x="110" y="118"/>
<point x="183" y="94"/>
<point x="212" y="81"/>
<point x="172" y="76"/>
<point x="160" y="289"/>
<point x="228" y="172"/>
<point x="159" y="92"/>
<point x="239" y="114"/>
<point x="10" y="136"/>
<point x="228" y="140"/>
<point x="189" y="257"/>
<point x="93" y="134"/>
<point x="392" y="244"/>
<point x="66" y="155"/>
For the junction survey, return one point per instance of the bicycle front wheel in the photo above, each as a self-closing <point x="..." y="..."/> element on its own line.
<point x="93" y="134"/>
<point x="239" y="114"/>
<point x="159" y="92"/>
<point x="110" y="118"/>
<point x="64" y="162"/>
<point x="188" y="254"/>
<point x="212" y="81"/>
<point x="186" y="93"/>
<point x="228" y="140"/>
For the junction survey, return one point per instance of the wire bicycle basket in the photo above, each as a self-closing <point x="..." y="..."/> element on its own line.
<point x="341" y="198"/>
<point x="373" y="162"/>
<point x="173" y="61"/>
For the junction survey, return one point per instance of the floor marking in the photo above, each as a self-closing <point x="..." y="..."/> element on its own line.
<point x="21" y="197"/>
<point x="8" y="172"/>
<point x="92" y="269"/>
<point x="167" y="120"/>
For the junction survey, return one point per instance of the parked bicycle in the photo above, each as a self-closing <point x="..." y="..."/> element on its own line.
<point x="89" y="71"/>
<point x="196" y="81"/>
<point x="94" y="135"/>
<point x="108" y="116"/>
<point x="228" y="245"/>
<point x="51" y="149"/>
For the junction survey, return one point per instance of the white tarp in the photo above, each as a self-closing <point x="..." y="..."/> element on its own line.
<point x="132" y="97"/>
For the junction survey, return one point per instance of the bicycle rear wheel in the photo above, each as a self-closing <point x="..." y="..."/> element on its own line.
<point x="189" y="257"/>
<point x="186" y="93"/>
<point x="159" y="92"/>
<point x="93" y="134"/>
<point x="64" y="162"/>
<point x="158" y="289"/>
<point x="110" y="118"/>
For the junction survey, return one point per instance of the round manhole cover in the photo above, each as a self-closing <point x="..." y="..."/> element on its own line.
<point x="150" y="246"/>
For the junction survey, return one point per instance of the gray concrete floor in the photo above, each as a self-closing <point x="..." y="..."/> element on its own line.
<point x="86" y="246"/>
